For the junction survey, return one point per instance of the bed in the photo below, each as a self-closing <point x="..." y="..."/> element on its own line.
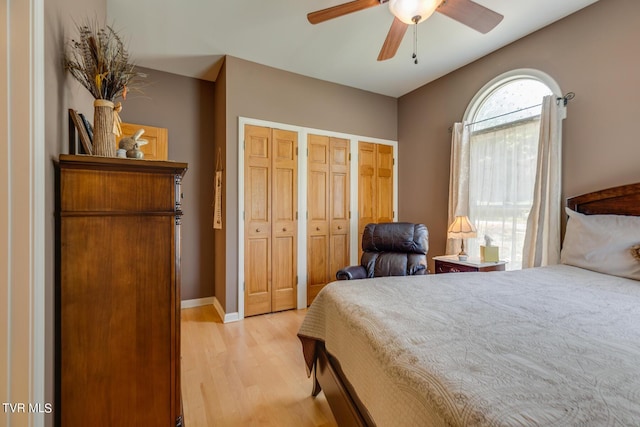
<point x="556" y="345"/>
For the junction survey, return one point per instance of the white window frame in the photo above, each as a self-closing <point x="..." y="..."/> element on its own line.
<point x="522" y="73"/>
<point x="504" y="78"/>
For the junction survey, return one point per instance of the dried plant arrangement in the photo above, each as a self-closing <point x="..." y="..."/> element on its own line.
<point x="99" y="60"/>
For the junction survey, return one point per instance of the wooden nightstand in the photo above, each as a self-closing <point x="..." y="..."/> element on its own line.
<point x="451" y="264"/>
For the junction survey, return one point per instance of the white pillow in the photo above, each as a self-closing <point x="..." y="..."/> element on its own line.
<point x="603" y="243"/>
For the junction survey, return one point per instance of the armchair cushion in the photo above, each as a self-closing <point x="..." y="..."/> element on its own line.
<point x="391" y="249"/>
<point x="352" y="272"/>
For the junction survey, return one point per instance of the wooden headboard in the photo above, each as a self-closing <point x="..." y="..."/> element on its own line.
<point x="623" y="200"/>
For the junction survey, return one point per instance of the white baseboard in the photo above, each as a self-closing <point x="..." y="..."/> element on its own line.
<point x="198" y="302"/>
<point x="226" y="317"/>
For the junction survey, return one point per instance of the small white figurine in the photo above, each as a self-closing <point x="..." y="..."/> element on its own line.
<point x="129" y="143"/>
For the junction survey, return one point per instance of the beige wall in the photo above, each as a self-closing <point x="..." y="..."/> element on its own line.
<point x="184" y="106"/>
<point x="265" y="93"/>
<point x="592" y="53"/>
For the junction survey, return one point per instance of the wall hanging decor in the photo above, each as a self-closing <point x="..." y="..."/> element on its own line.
<point x="217" y="200"/>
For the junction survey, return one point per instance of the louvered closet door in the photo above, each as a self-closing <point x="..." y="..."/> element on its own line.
<point x="257" y="203"/>
<point x="284" y="211"/>
<point x="328" y="210"/>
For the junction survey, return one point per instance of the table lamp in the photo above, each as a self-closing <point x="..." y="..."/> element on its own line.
<point x="461" y="228"/>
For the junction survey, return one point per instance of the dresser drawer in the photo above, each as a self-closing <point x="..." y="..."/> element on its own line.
<point x="449" y="267"/>
<point x="450" y="264"/>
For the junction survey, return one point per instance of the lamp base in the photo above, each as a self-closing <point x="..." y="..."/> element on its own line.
<point x="462" y="256"/>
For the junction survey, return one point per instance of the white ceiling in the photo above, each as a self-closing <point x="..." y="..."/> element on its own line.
<point x="188" y="37"/>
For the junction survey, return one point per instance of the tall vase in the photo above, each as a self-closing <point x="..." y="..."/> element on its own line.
<point x="104" y="140"/>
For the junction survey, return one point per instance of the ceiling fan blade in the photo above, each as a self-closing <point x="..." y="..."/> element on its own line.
<point x="340" y="10"/>
<point x="393" y="40"/>
<point x="471" y="14"/>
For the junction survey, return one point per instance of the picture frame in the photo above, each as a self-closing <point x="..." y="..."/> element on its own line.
<point x="88" y="126"/>
<point x="157" y="146"/>
<point x="80" y="125"/>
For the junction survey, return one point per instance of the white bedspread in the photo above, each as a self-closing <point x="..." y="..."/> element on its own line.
<point x="553" y="346"/>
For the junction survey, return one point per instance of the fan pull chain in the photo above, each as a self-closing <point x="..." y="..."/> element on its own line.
<point x="415" y="20"/>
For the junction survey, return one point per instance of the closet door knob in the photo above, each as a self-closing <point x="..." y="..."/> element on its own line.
<point x="339" y="227"/>
<point x="284" y="228"/>
<point x="257" y="230"/>
<point x="317" y="228"/>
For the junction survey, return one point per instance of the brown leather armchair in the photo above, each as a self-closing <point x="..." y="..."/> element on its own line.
<point x="390" y="249"/>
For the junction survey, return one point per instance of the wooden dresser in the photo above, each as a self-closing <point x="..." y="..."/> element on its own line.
<point x="451" y="264"/>
<point x="118" y="292"/>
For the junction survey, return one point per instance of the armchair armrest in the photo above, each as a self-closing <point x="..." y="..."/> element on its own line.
<point x="351" y="273"/>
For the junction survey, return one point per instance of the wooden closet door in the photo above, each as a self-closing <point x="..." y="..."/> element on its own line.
<point x="339" y="206"/>
<point x="328" y="210"/>
<point x="318" y="215"/>
<point x="367" y="188"/>
<point x="375" y="186"/>
<point x="284" y="212"/>
<point x="384" y="184"/>
<point x="257" y="200"/>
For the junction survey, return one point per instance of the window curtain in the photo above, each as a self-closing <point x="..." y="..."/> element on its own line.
<point x="542" y="238"/>
<point x="501" y="184"/>
<point x="458" y="180"/>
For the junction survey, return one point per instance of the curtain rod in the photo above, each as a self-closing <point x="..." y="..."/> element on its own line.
<point x="565" y="99"/>
<point x="504" y="114"/>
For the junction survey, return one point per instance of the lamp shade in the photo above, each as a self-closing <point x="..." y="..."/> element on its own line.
<point x="461" y="228"/>
<point x="406" y="10"/>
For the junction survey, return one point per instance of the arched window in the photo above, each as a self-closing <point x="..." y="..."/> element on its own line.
<point x="504" y="121"/>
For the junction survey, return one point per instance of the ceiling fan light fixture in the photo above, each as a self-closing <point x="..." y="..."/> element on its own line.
<point x="413" y="11"/>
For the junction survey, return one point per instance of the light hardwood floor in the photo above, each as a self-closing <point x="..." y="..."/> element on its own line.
<point x="247" y="373"/>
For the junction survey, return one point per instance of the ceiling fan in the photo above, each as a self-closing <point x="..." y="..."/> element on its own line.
<point x="407" y="12"/>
